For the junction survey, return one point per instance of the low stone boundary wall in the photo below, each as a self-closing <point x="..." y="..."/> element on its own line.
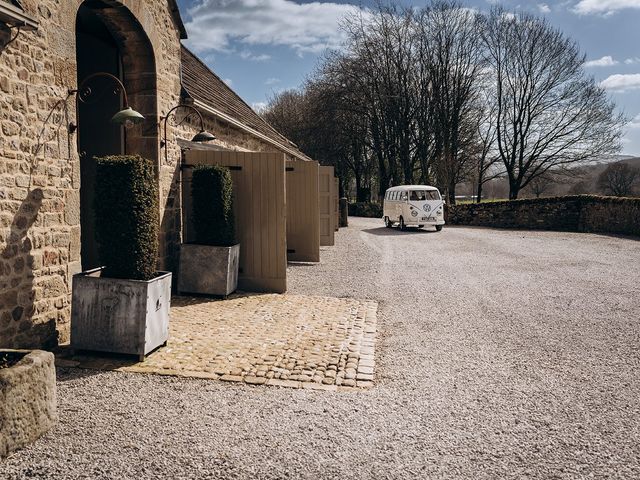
<point x="580" y="213"/>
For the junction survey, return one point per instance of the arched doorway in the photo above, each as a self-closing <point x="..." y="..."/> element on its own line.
<point x="110" y="39"/>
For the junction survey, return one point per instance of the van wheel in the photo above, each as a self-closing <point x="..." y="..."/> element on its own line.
<point x="387" y="222"/>
<point x="439" y="228"/>
<point x="402" y="225"/>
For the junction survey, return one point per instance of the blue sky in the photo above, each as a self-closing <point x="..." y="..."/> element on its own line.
<point x="262" y="46"/>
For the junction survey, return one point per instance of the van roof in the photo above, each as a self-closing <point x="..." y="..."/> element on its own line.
<point x="412" y="187"/>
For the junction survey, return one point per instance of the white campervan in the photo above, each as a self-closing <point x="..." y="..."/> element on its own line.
<point x="413" y="206"/>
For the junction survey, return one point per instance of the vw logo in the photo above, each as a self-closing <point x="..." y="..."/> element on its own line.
<point x="427" y="207"/>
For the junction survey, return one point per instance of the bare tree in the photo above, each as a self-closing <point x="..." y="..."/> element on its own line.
<point x="619" y="179"/>
<point x="550" y="114"/>
<point x="489" y="162"/>
<point x="450" y="36"/>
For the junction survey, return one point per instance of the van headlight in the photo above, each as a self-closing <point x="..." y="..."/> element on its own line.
<point x="414" y="213"/>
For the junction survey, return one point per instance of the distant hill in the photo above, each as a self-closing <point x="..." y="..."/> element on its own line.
<point x="584" y="181"/>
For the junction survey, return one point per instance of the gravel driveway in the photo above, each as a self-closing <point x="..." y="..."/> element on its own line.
<point x="502" y="354"/>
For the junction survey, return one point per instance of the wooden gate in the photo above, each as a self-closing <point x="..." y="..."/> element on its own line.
<point x="260" y="209"/>
<point x="327" y="229"/>
<point x="303" y="211"/>
<point x="336" y="204"/>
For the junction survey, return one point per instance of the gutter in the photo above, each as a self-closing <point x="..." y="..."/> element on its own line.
<point x="228" y="119"/>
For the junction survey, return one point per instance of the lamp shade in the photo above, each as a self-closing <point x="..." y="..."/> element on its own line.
<point x="127" y="116"/>
<point x="203" y="136"/>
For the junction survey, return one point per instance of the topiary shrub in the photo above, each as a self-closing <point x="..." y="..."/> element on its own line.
<point x="212" y="196"/>
<point x="127" y="216"/>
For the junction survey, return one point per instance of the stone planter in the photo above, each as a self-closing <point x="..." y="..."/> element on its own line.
<point x="27" y="397"/>
<point x="208" y="270"/>
<point x="118" y="315"/>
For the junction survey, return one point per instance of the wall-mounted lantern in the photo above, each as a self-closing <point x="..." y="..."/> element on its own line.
<point x="13" y="16"/>
<point x="200" y="137"/>
<point x="126" y="117"/>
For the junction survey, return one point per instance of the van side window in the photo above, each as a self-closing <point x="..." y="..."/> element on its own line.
<point x="404" y="196"/>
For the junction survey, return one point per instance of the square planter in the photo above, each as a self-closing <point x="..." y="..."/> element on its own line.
<point x="119" y="315"/>
<point x="208" y="270"/>
<point x="27" y="397"/>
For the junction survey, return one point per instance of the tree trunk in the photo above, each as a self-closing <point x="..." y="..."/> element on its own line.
<point x="452" y="194"/>
<point x="513" y="191"/>
<point x="479" y="194"/>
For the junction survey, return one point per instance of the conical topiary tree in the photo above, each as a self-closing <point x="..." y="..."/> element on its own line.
<point x="213" y="214"/>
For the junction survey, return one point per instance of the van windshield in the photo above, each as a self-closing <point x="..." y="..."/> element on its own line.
<point x="422" y="195"/>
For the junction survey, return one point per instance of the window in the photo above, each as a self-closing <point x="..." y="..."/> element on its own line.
<point x="422" y="195"/>
<point x="417" y="196"/>
<point x="404" y="196"/>
<point x="433" y="195"/>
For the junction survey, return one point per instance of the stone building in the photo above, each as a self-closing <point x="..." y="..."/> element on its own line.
<point x="51" y="132"/>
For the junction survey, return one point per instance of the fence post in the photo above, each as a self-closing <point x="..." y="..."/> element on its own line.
<point x="344" y="212"/>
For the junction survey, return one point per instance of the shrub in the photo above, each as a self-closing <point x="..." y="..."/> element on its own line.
<point x="365" y="209"/>
<point x="213" y="216"/>
<point x="127" y="216"/>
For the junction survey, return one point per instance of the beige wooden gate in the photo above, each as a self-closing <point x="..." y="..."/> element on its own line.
<point x="336" y="204"/>
<point x="303" y="211"/>
<point x="327" y="229"/>
<point x="259" y="191"/>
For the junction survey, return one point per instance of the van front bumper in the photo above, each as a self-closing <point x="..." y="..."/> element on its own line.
<point x="428" y="223"/>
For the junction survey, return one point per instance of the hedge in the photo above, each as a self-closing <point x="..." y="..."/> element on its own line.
<point x="365" y="209"/>
<point x="127" y="216"/>
<point x="212" y="196"/>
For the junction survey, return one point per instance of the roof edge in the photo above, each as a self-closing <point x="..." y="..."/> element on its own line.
<point x="177" y="18"/>
<point x="238" y="124"/>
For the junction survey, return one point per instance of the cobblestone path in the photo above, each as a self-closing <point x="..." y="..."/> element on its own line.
<point x="294" y="341"/>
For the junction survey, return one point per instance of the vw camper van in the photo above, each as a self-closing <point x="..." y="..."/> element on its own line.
<point x="413" y="206"/>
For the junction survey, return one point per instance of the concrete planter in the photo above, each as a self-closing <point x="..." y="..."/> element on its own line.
<point x="27" y="398"/>
<point x="208" y="270"/>
<point x="118" y="315"/>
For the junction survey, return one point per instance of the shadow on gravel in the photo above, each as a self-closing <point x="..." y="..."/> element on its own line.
<point x="387" y="232"/>
<point x="302" y="264"/>
<point x="68" y="374"/>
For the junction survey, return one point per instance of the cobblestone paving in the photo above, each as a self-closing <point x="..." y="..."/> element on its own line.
<point x="285" y="340"/>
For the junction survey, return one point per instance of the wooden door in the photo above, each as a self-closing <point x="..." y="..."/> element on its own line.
<point x="327" y="229"/>
<point x="260" y="209"/>
<point x="303" y="211"/>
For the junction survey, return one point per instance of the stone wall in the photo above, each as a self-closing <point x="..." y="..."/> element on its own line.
<point x="581" y="213"/>
<point x="39" y="163"/>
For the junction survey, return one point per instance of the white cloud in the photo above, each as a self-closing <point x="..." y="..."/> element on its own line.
<point x="621" y="82"/>
<point x="272" y="81"/>
<point x="544" y="8"/>
<point x="228" y="81"/>
<point x="635" y="123"/>
<point x="632" y="61"/>
<point x="258" y="107"/>
<point x="606" y="7"/>
<point x="606" y="61"/>
<point x="247" y="55"/>
<point x="307" y="27"/>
